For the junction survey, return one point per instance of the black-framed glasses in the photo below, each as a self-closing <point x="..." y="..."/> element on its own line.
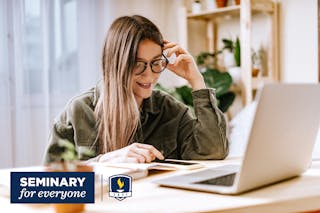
<point x="157" y="65"/>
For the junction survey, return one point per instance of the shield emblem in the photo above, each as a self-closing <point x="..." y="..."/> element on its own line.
<point x="120" y="186"/>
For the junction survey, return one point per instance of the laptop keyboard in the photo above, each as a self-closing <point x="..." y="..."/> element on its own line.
<point x="226" y="180"/>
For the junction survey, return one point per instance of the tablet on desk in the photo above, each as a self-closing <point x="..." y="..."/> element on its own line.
<point x="178" y="164"/>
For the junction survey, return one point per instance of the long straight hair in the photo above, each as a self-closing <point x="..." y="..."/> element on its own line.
<point x="117" y="110"/>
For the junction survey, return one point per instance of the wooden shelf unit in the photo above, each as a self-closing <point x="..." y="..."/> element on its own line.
<point x="244" y="12"/>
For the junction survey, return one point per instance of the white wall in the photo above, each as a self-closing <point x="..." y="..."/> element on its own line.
<point x="298" y="41"/>
<point x="163" y="13"/>
<point x="299" y="45"/>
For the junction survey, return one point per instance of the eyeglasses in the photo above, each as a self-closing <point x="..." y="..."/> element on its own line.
<point x="157" y="66"/>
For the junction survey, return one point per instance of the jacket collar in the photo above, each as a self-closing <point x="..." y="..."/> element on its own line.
<point x="150" y="105"/>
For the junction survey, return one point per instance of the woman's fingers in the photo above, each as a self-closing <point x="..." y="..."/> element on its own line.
<point x="180" y="58"/>
<point x="152" y="149"/>
<point x="140" y="158"/>
<point x="144" y="153"/>
<point x="135" y="153"/>
<point x="147" y="154"/>
<point x="169" y="44"/>
<point x="183" y="58"/>
<point x="175" y="49"/>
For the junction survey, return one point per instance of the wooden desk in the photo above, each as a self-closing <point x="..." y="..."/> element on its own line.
<point x="297" y="194"/>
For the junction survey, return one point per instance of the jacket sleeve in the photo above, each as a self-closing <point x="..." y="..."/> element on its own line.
<point x="77" y="124"/>
<point x="62" y="129"/>
<point x="203" y="137"/>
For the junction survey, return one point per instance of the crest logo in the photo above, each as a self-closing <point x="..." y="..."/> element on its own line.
<point x="120" y="186"/>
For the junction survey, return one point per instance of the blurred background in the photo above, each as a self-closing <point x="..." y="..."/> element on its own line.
<point x="50" y="50"/>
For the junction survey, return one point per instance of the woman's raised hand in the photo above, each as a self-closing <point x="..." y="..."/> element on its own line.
<point x="184" y="65"/>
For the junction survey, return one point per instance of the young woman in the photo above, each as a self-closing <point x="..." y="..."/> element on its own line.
<point x="124" y="120"/>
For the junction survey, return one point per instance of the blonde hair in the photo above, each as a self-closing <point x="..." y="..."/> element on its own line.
<point x="117" y="111"/>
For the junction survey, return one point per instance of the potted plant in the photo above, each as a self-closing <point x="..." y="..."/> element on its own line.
<point x="208" y="59"/>
<point x="63" y="156"/>
<point x="220" y="81"/>
<point x="234" y="49"/>
<point x="221" y="3"/>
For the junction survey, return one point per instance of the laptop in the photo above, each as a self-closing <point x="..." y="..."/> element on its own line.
<point x="280" y="144"/>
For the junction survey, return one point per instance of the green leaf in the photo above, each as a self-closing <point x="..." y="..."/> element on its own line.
<point x="201" y="58"/>
<point x="87" y="154"/>
<point x="228" y="44"/>
<point x="237" y="52"/>
<point x="186" y="95"/>
<point x="221" y="81"/>
<point x="69" y="155"/>
<point x="64" y="150"/>
<point x="67" y="144"/>
<point x="171" y="91"/>
<point x="225" y="101"/>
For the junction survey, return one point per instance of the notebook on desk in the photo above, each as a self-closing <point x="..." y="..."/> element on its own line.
<point x="132" y="168"/>
<point x="280" y="145"/>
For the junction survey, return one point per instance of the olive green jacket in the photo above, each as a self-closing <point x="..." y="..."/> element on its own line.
<point x="166" y="124"/>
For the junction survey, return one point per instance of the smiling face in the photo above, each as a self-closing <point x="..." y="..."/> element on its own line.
<point x="148" y="51"/>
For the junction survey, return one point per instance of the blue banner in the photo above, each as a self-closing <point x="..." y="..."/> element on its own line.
<point x="52" y="187"/>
